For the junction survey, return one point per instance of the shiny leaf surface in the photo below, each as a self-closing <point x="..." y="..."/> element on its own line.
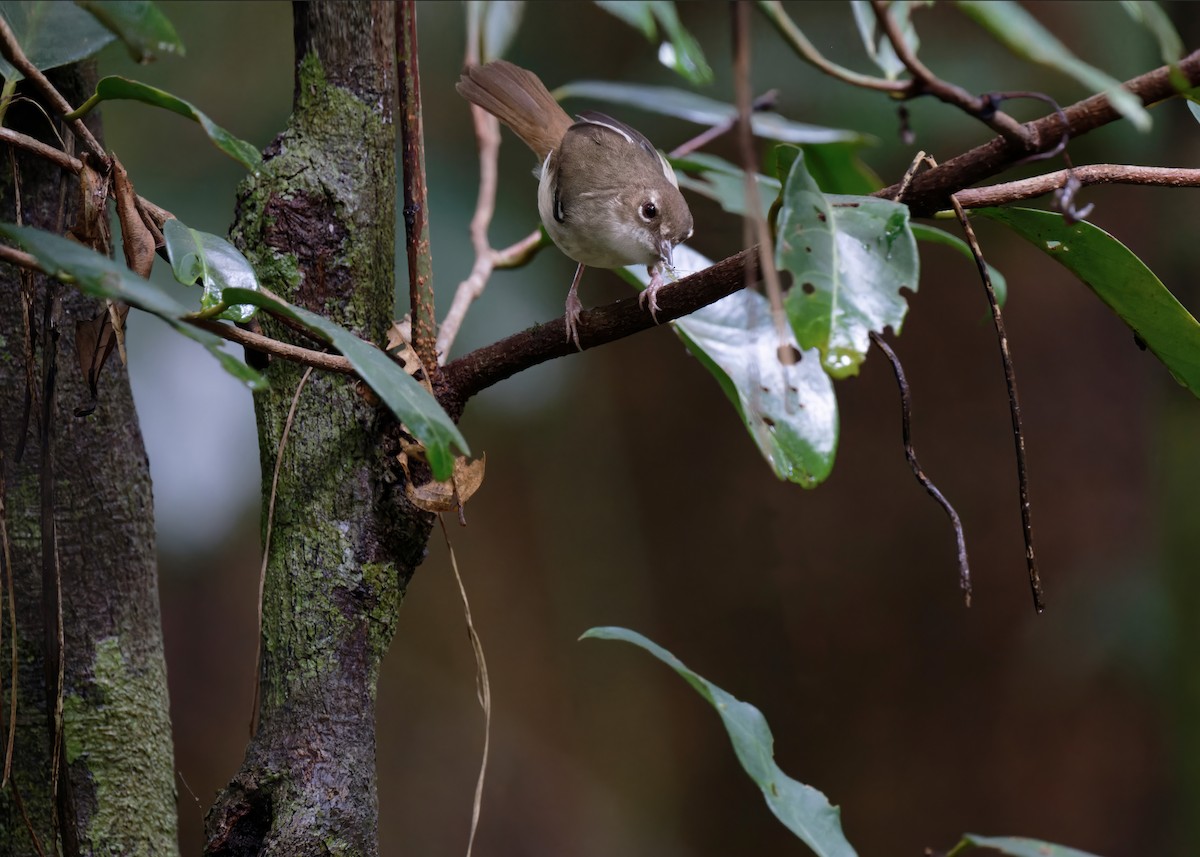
<point x="803" y="809"/>
<point x="1121" y="280"/>
<point x="790" y="410"/>
<point x="1019" y="846"/>
<point x="680" y="51"/>
<point x="933" y="235"/>
<point x="849" y="257"/>
<point x="215" y="262"/>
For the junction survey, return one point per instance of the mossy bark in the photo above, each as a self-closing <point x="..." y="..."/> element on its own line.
<point x="318" y="224"/>
<point x="118" y="794"/>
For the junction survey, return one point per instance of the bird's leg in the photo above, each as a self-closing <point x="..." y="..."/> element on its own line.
<point x="574" y="308"/>
<point x="650" y="294"/>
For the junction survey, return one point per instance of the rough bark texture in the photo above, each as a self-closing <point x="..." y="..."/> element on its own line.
<point x="318" y="223"/>
<point x="119" y="796"/>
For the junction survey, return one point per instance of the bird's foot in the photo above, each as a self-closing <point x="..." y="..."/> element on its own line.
<point x="649" y="297"/>
<point x="574" y="308"/>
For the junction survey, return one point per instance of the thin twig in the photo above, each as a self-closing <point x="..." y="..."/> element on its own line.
<point x="37" y="147"/>
<point x="266" y="551"/>
<point x="793" y="35"/>
<point x="276" y="348"/>
<point x="925" y="82"/>
<point x="755" y="227"/>
<point x="10" y="48"/>
<point x="931" y="190"/>
<point x="910" y="455"/>
<point x="483" y="688"/>
<point x="766" y="101"/>
<point x="6" y="574"/>
<point x="1014" y="406"/>
<point x="1090" y="174"/>
<point x="416" y="211"/>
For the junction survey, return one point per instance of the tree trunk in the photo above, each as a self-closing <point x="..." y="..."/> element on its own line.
<point x="90" y="523"/>
<point x="318" y="224"/>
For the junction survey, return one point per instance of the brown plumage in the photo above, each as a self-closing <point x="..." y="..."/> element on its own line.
<point x="518" y="99"/>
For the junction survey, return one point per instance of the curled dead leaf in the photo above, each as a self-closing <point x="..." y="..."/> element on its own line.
<point x="447" y="496"/>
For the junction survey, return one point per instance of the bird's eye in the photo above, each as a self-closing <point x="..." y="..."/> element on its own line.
<point x="649" y="211"/>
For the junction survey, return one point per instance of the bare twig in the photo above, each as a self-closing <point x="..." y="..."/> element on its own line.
<point x="793" y="35"/>
<point x="1090" y="174"/>
<point x="11" y="50"/>
<point x="910" y="455"/>
<point x="416" y="210"/>
<point x="766" y="101"/>
<point x="925" y="82"/>
<point x="42" y="150"/>
<point x="930" y="191"/>
<point x="284" y="350"/>
<point x="755" y="224"/>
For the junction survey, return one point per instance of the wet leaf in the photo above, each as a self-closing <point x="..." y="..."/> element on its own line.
<point x="849" y="257"/>
<point x="702" y="110"/>
<point x="123" y="89"/>
<point x="145" y="31"/>
<point x="407" y="399"/>
<point x="52" y="33"/>
<point x="98" y="276"/>
<point x="801" y="808"/>
<point x="1021" y="33"/>
<point x="1121" y="280"/>
<point x="197" y="255"/>
<point x="790" y="410"/>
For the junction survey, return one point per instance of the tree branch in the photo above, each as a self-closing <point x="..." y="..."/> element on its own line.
<point x="930" y="191"/>
<point x="10" y="48"/>
<point x="1002" y="194"/>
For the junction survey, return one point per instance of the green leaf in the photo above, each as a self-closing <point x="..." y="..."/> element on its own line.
<point x="702" y="110"/>
<point x="1151" y="16"/>
<point x="496" y="22"/>
<point x="849" y="257"/>
<point x="121" y="88"/>
<point x="52" y="33"/>
<point x="407" y="399"/>
<point x="878" y="46"/>
<point x="100" y="277"/>
<point x="1019" y="846"/>
<point x="1121" y="280"/>
<point x="803" y="810"/>
<point x="139" y="24"/>
<point x="1020" y="32"/>
<point x="925" y="232"/>
<point x="723" y="182"/>
<point x="215" y="262"/>
<point x="680" y="52"/>
<point x="789" y="410"/>
<point x="838" y="168"/>
<point x="1194" y="107"/>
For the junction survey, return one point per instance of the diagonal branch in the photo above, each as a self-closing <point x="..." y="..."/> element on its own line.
<point x="1002" y="194"/>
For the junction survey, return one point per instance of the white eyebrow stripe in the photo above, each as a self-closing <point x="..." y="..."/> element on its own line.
<point x="609" y="127"/>
<point x="667" y="169"/>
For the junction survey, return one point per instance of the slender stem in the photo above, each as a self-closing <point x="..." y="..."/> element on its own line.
<point x="10" y="48"/>
<point x="793" y="35"/>
<point x="284" y="350"/>
<point x="1001" y="194"/>
<point x="416" y="210"/>
<point x="925" y="82"/>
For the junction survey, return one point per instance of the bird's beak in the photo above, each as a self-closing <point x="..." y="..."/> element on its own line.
<point x="665" y="248"/>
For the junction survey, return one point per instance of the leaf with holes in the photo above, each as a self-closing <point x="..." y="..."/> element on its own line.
<point x="100" y="277"/>
<point x="1121" y="280"/>
<point x="789" y="409"/>
<point x="849" y="257"/>
<point x="404" y="396"/>
<point x="215" y="262"/>
<point x="803" y="810"/>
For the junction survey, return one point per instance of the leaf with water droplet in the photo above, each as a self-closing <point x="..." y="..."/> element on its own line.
<point x="852" y="255"/>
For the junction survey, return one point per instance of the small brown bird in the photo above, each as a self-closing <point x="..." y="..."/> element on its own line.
<point x="607" y="197"/>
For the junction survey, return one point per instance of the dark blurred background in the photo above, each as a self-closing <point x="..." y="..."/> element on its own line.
<point x="623" y="490"/>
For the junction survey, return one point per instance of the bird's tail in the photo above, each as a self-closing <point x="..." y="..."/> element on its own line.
<point x="520" y="100"/>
